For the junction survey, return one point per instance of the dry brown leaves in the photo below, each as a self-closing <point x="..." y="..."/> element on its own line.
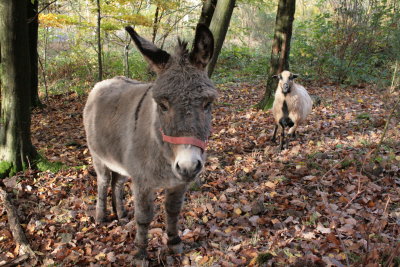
<point x="321" y="202"/>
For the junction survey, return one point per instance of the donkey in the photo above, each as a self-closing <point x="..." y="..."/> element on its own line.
<point x="155" y="133"/>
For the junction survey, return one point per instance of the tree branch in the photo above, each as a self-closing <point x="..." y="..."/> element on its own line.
<point x="15" y="227"/>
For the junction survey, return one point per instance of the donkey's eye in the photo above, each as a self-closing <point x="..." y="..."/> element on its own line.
<point x="163" y="107"/>
<point x="207" y="106"/>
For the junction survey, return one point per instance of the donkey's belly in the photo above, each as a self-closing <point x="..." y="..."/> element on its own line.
<point x="115" y="167"/>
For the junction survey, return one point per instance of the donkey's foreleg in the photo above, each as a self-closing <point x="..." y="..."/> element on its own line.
<point x="117" y="185"/>
<point x="173" y="205"/>
<point x="144" y="212"/>
<point x="103" y="180"/>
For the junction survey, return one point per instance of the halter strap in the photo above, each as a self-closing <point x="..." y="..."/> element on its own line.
<point x="184" y="140"/>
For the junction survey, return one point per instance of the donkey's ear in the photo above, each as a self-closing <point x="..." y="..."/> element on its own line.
<point x="156" y="57"/>
<point x="203" y="47"/>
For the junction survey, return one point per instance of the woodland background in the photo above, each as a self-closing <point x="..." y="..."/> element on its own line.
<point x="331" y="199"/>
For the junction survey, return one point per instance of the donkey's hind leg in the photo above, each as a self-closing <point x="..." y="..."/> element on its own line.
<point x="103" y="180"/>
<point x="117" y="186"/>
<point x="173" y="205"/>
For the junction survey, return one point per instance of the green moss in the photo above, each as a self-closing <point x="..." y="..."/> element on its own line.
<point x="264" y="257"/>
<point x="42" y="164"/>
<point x="6" y="168"/>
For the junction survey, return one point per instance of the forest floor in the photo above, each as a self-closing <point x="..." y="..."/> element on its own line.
<point x="322" y="202"/>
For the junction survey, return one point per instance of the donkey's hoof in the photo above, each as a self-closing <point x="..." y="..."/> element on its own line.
<point x="176" y="249"/>
<point x="140" y="262"/>
<point x="175" y="245"/>
<point x="140" y="253"/>
<point x="100" y="218"/>
<point x="123" y="221"/>
<point x="140" y="257"/>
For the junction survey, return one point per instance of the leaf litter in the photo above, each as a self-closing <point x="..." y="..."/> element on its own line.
<point x="322" y="202"/>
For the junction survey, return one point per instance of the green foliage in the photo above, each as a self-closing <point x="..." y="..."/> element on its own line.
<point x="240" y="64"/>
<point x="364" y="116"/>
<point x="346" y="44"/>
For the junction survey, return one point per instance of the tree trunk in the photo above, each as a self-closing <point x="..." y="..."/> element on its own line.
<point x="16" y="149"/>
<point x="207" y="12"/>
<point x="126" y="60"/>
<point x="280" y="49"/>
<point x="99" y="49"/>
<point x="219" y="26"/>
<point x="155" y="24"/>
<point x="33" y="21"/>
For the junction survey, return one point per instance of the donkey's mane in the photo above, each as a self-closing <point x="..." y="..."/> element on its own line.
<point x="181" y="51"/>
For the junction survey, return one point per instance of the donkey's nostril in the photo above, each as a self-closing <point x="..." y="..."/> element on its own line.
<point x="190" y="170"/>
<point x="199" y="166"/>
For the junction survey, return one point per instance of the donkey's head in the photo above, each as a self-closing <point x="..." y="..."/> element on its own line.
<point x="286" y="81"/>
<point x="183" y="94"/>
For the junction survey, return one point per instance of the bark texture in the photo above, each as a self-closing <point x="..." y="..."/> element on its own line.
<point x="99" y="46"/>
<point x="16" y="149"/>
<point x="280" y="49"/>
<point x="33" y="24"/>
<point x="219" y="26"/>
<point x="207" y="12"/>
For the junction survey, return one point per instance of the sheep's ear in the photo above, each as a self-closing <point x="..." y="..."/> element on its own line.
<point x="275" y="76"/>
<point x="156" y="57"/>
<point x="294" y="76"/>
<point x="203" y="47"/>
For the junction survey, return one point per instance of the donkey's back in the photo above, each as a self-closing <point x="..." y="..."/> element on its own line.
<point x="111" y="121"/>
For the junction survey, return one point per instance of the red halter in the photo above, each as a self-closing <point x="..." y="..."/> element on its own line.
<point x="184" y="140"/>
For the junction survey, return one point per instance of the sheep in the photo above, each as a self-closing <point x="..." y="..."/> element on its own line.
<point x="292" y="104"/>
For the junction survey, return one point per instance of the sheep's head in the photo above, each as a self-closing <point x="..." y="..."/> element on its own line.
<point x="285" y="81"/>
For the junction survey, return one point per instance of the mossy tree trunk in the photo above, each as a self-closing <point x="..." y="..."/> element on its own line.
<point x="16" y="149"/>
<point x="280" y="49"/>
<point x="219" y="26"/>
<point x="207" y="12"/>
<point x="33" y="20"/>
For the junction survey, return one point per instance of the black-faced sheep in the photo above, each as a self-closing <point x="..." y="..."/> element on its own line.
<point x="291" y="106"/>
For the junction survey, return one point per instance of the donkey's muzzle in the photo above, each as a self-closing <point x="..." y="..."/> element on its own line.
<point x="189" y="172"/>
<point x="188" y="162"/>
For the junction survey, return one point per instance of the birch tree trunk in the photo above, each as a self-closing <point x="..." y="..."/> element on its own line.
<point x="280" y="49"/>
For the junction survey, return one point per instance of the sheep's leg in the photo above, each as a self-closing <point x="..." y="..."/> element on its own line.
<point x="273" y="139"/>
<point x="282" y="140"/>
<point x="292" y="130"/>
<point x="144" y="212"/>
<point x="103" y="180"/>
<point x="117" y="186"/>
<point x="173" y="205"/>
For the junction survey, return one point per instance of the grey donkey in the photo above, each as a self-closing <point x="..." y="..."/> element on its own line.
<point x="155" y="133"/>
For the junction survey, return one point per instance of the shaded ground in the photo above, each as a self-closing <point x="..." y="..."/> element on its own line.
<point x="320" y="202"/>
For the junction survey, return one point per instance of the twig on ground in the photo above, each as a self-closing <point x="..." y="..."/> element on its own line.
<point x="16" y="229"/>
<point x="16" y="261"/>
<point x="386" y="128"/>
